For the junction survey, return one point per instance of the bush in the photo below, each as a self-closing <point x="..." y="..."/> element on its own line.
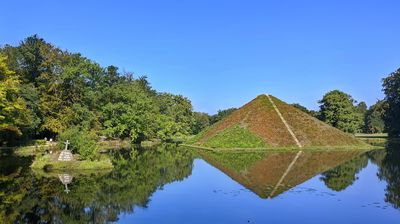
<point x="82" y="142"/>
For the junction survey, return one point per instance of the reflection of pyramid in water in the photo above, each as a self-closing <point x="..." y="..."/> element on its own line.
<point x="272" y="173"/>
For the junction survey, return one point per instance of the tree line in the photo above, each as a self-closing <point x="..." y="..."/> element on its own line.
<point x="46" y="91"/>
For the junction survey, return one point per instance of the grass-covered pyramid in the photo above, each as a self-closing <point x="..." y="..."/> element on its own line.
<point x="267" y="122"/>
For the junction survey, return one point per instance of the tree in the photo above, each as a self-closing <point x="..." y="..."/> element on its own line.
<point x="14" y="116"/>
<point x="391" y="88"/>
<point x="179" y="111"/>
<point x="338" y="110"/>
<point x="83" y="142"/>
<point x="361" y="108"/>
<point x="374" y="122"/>
<point x="221" y="115"/>
<point x="47" y="91"/>
<point x="128" y="112"/>
<point x="201" y="121"/>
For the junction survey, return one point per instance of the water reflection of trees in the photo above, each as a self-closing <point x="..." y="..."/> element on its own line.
<point x="30" y="198"/>
<point x="343" y="176"/>
<point x="388" y="162"/>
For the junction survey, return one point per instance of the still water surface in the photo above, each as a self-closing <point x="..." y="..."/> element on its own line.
<point x="177" y="185"/>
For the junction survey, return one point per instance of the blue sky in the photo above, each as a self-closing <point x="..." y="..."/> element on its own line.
<point x="222" y="54"/>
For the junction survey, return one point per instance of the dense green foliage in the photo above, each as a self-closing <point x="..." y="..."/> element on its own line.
<point x="201" y="121"/>
<point x="221" y="115"/>
<point x="338" y="110"/>
<point x="374" y="122"/>
<point x="391" y="88"/>
<point x="15" y="118"/>
<point x="45" y="91"/>
<point x="83" y="142"/>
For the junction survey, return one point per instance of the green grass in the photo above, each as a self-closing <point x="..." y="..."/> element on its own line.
<point x="46" y="162"/>
<point x="378" y="135"/>
<point x="148" y="144"/>
<point x="235" y="136"/>
<point x="30" y="150"/>
<point x="196" y="138"/>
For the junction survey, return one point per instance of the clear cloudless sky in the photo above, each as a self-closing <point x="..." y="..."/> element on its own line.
<point x="222" y="54"/>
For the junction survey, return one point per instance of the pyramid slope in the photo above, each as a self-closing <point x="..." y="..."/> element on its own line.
<point x="260" y="119"/>
<point x="311" y="131"/>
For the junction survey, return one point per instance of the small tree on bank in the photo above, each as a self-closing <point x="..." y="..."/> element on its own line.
<point x="338" y="110"/>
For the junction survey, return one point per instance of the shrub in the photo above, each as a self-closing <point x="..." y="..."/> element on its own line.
<point x="82" y="142"/>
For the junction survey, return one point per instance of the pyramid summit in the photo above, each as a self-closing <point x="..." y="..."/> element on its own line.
<point x="267" y="122"/>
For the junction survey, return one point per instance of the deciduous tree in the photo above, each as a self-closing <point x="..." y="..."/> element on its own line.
<point x="391" y="88"/>
<point x="338" y="110"/>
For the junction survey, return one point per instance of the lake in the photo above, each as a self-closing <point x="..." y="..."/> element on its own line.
<point x="171" y="184"/>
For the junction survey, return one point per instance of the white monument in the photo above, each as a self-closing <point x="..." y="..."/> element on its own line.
<point x="65" y="154"/>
